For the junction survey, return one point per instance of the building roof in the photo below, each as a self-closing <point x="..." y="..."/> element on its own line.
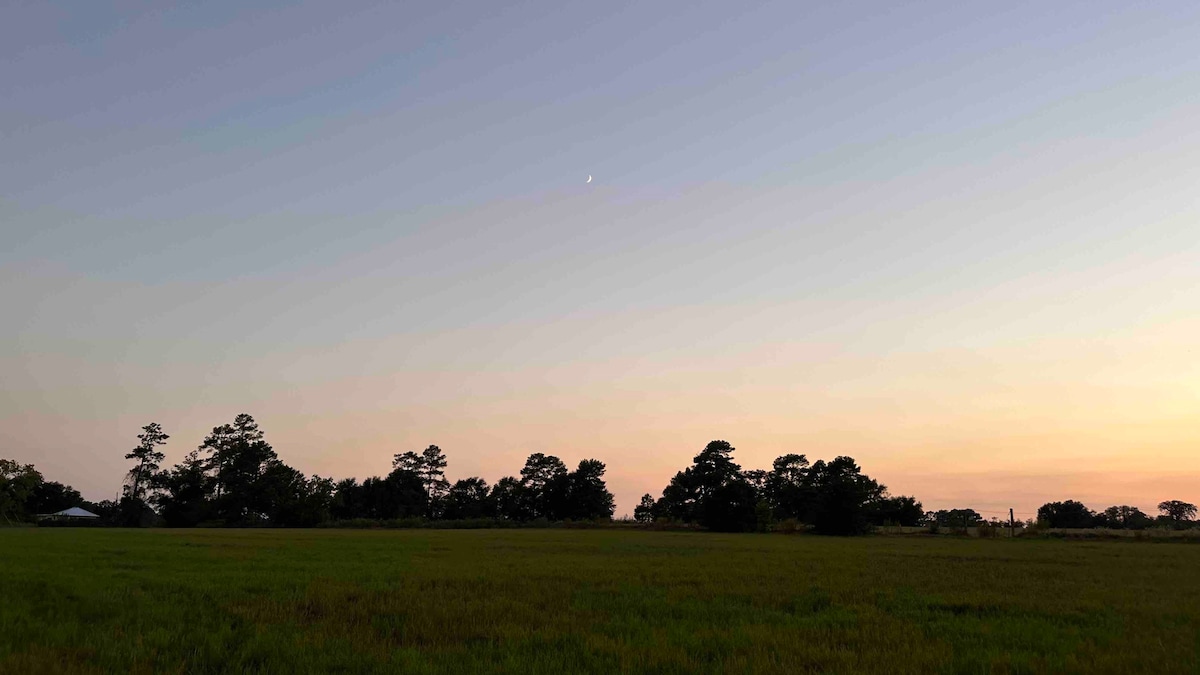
<point x="75" y="512"/>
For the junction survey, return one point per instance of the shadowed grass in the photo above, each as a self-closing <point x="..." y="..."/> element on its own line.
<point x="553" y="601"/>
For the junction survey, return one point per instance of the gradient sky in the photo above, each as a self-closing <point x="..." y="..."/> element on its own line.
<point x="957" y="241"/>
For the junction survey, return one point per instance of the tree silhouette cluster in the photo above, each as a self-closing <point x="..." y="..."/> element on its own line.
<point x="235" y="478"/>
<point x="834" y="497"/>
<point x="1173" y="514"/>
<point x="24" y="493"/>
<point x="954" y="518"/>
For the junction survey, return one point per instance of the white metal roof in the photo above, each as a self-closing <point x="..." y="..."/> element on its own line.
<point x="75" y="512"/>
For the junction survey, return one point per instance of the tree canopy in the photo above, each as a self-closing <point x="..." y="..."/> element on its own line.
<point x="1066" y="514"/>
<point x="235" y="478"/>
<point x="834" y="497"/>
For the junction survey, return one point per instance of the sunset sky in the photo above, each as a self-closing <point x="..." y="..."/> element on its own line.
<point x="959" y="242"/>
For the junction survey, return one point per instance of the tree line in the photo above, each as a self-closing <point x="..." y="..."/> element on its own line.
<point x="235" y="478"/>
<point x="833" y="497"/>
<point x="1174" y="514"/>
<point x="1071" y="514"/>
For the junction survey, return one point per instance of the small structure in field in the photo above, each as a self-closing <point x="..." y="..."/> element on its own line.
<point x="73" y="513"/>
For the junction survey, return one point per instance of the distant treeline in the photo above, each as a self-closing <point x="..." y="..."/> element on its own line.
<point x="1070" y="514"/>
<point x="235" y="479"/>
<point x="833" y="497"/>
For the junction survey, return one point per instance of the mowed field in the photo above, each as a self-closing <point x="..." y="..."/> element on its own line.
<point x="589" y="601"/>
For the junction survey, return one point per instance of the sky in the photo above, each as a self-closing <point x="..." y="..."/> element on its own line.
<point x="958" y="242"/>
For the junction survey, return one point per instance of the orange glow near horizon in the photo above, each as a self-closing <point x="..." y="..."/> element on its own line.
<point x="1104" y="421"/>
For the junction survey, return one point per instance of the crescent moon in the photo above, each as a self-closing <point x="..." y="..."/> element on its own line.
<point x="589" y="178"/>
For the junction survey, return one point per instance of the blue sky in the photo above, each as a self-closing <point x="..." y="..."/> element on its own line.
<point x="313" y="191"/>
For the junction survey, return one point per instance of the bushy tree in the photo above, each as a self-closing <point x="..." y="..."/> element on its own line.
<point x="289" y="499"/>
<point x="904" y="511"/>
<point x="712" y="492"/>
<point x="1178" y="512"/>
<point x="757" y="479"/>
<point x="239" y="456"/>
<point x="430" y="467"/>
<point x="681" y="498"/>
<point x="107" y="509"/>
<point x="184" y="492"/>
<point x="469" y="498"/>
<point x="348" y="500"/>
<point x="17" y="482"/>
<point x="405" y="495"/>
<point x="714" y="468"/>
<point x="954" y="518"/>
<point x="844" y="497"/>
<point x="545" y="483"/>
<point x="644" y="511"/>
<point x="1124" y="518"/>
<point x="511" y="503"/>
<point x="51" y="497"/>
<point x="401" y="494"/>
<point x="588" y="497"/>
<point x="730" y="507"/>
<point x="836" y="498"/>
<point x="789" y="488"/>
<point x="1068" y="514"/>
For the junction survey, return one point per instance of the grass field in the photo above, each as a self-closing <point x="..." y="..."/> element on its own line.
<point x="579" y="601"/>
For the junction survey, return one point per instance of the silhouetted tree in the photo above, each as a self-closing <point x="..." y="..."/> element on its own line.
<point x="904" y="511"/>
<point x="469" y="498"/>
<point x="51" y="497"/>
<point x="433" y="474"/>
<point x="680" y="499"/>
<point x="711" y="492"/>
<point x="789" y="489"/>
<point x="147" y="459"/>
<point x="954" y="518"/>
<point x="1068" y="514"/>
<point x="757" y="478"/>
<point x="184" y="492"/>
<point x="316" y="507"/>
<point x="406" y="495"/>
<point x="376" y="499"/>
<point x="288" y="499"/>
<point x="844" y="497"/>
<point x="1178" y="512"/>
<point x="588" y="497"/>
<point x="644" y="511"/>
<point x="836" y="498"/>
<point x="17" y="482"/>
<point x="239" y="456"/>
<point x="545" y="482"/>
<point x="714" y="467"/>
<point x="348" y="500"/>
<point x="107" y="509"/>
<point x="508" y="495"/>
<point x="730" y="507"/>
<point x="400" y="495"/>
<point x="1124" y="518"/>
<point x="430" y="466"/>
<point x="409" y="461"/>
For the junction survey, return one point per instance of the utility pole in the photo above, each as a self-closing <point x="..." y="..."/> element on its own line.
<point x="1012" y="525"/>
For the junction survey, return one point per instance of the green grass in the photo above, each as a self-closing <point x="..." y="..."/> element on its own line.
<point x="580" y="601"/>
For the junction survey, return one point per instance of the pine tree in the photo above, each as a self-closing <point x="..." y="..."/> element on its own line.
<point x="148" y="459"/>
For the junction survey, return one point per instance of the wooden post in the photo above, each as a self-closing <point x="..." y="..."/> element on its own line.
<point x="1012" y="525"/>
